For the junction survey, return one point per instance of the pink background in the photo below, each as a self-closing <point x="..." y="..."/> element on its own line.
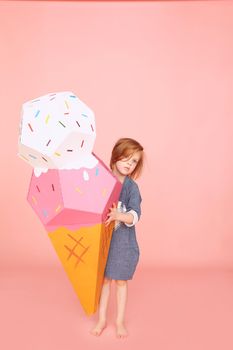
<point x="160" y="72"/>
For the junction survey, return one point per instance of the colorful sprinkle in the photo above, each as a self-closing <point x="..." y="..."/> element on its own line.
<point x="92" y="128"/>
<point x="82" y="143"/>
<point x="52" y="95"/>
<point x="58" y="208"/>
<point x="47" y="119"/>
<point x="45" y="213"/>
<point x="96" y="171"/>
<point x="73" y="96"/>
<point x="48" y="143"/>
<point x="37" y="113"/>
<point x="22" y="156"/>
<point x="66" y="103"/>
<point x="52" y="98"/>
<point x="104" y="191"/>
<point x="67" y="113"/>
<point x="57" y="154"/>
<point x="78" y="123"/>
<point x="62" y="124"/>
<point x="35" y="100"/>
<point x="38" y="189"/>
<point x="78" y="190"/>
<point x="53" y="187"/>
<point x="44" y="159"/>
<point x="69" y="150"/>
<point x="85" y="175"/>
<point x="30" y="126"/>
<point x="84" y="115"/>
<point x="32" y="156"/>
<point x="34" y="200"/>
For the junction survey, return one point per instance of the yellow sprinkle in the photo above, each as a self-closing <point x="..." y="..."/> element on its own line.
<point x="67" y="104"/>
<point x="47" y="119"/>
<point x="34" y="199"/>
<point x="57" y="154"/>
<point x="104" y="192"/>
<point x="78" y="190"/>
<point x="58" y="208"/>
<point x="21" y="156"/>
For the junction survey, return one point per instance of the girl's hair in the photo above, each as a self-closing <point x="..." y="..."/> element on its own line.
<point x="125" y="148"/>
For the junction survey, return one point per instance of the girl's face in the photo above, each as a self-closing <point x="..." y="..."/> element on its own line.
<point x="126" y="166"/>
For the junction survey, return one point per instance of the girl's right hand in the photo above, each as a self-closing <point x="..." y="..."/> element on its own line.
<point x="113" y="215"/>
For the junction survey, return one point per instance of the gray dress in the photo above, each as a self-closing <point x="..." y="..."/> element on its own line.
<point x="124" y="252"/>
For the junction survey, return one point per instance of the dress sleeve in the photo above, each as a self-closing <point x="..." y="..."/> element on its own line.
<point x="134" y="204"/>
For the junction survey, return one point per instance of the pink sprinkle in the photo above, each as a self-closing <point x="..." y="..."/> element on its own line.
<point x="38" y="188"/>
<point x="92" y="127"/>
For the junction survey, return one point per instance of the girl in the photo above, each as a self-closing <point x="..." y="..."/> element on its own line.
<point x="126" y="164"/>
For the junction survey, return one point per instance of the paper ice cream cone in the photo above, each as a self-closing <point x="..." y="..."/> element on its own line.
<point x="71" y="189"/>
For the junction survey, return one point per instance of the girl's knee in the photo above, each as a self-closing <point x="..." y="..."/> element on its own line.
<point x="121" y="282"/>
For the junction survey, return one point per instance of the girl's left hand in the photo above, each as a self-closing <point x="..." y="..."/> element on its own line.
<point x="113" y="215"/>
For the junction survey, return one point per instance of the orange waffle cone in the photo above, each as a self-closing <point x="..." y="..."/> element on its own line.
<point x="83" y="254"/>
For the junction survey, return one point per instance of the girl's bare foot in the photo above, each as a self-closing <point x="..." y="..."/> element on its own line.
<point x="97" y="330"/>
<point x="121" y="331"/>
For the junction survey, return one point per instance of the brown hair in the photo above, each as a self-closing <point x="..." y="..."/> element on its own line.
<point x="124" y="148"/>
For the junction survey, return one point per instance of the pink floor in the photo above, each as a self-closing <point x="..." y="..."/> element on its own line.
<point x="167" y="309"/>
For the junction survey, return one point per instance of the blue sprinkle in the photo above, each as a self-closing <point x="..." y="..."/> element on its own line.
<point x="73" y="96"/>
<point x="30" y="155"/>
<point x="97" y="172"/>
<point x="45" y="213"/>
<point x="84" y="115"/>
<point x="37" y="113"/>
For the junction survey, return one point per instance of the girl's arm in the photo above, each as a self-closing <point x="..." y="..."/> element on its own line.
<point x="133" y="213"/>
<point x="115" y="215"/>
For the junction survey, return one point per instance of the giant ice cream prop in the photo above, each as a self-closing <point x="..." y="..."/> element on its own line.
<point x="71" y="189"/>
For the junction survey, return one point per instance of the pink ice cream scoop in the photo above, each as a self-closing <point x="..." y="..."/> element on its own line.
<point x="73" y="198"/>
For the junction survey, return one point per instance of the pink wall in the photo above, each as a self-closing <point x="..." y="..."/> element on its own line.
<point x="159" y="72"/>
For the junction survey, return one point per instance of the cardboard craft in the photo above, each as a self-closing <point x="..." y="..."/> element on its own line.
<point x="71" y="189"/>
<point x="57" y="130"/>
<point x="83" y="254"/>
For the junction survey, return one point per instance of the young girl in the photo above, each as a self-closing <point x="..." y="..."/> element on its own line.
<point x="126" y="163"/>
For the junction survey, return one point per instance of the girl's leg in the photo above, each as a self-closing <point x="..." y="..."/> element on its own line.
<point x="121" y="293"/>
<point x="103" y="305"/>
